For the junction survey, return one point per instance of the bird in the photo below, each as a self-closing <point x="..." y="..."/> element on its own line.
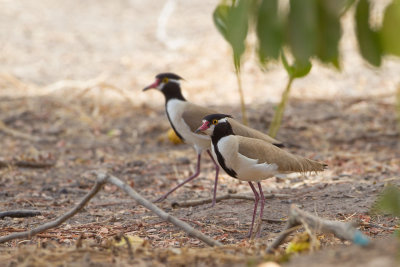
<point x="185" y="118"/>
<point x="250" y="159"/>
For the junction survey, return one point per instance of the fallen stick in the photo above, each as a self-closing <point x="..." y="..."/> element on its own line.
<point x="273" y="220"/>
<point x="103" y="178"/>
<point x="18" y="134"/>
<point x="52" y="224"/>
<point x="162" y="214"/>
<point x="26" y="164"/>
<point x="199" y="202"/>
<point x="343" y="230"/>
<point x="19" y="213"/>
<point x="374" y="225"/>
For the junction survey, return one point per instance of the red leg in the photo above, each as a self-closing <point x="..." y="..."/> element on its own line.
<point x="262" y="206"/>
<point x="184" y="182"/>
<point x="216" y="179"/>
<point x="256" y="199"/>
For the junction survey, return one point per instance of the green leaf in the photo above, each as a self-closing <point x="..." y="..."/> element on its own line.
<point x="345" y="6"/>
<point x="289" y="69"/>
<point x="269" y="31"/>
<point x="302" y="29"/>
<point x="390" y="32"/>
<point x="368" y="39"/>
<point x="220" y="17"/>
<point x="232" y="22"/>
<point x="389" y="201"/>
<point x="301" y="69"/>
<point x="298" y="69"/>
<point x="329" y="31"/>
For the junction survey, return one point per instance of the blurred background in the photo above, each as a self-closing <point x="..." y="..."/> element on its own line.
<point x="127" y="42"/>
<point x="71" y="101"/>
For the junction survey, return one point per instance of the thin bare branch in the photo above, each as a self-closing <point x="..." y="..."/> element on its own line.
<point x="343" y="230"/>
<point x="52" y="224"/>
<point x="103" y="178"/>
<point x="162" y="214"/>
<point x="220" y="198"/>
<point x="19" y="213"/>
<point x="4" y="128"/>
<point x="26" y="164"/>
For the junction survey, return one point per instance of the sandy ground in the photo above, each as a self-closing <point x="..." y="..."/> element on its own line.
<point x="71" y="74"/>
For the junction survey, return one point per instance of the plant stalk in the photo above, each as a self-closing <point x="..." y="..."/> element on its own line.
<point x="398" y="107"/>
<point x="276" y="121"/>
<point x="242" y="104"/>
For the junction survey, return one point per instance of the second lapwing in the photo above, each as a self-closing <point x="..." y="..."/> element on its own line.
<point x="251" y="159"/>
<point x="185" y="117"/>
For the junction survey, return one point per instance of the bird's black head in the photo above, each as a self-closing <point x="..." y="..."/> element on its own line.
<point x="169" y="84"/>
<point x="216" y="124"/>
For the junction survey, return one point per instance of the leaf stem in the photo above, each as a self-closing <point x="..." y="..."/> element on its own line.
<point x="242" y="103"/>
<point x="276" y="121"/>
<point x="398" y="107"/>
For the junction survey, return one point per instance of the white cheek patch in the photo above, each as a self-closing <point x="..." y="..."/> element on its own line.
<point x="210" y="130"/>
<point x="222" y="120"/>
<point x="162" y="84"/>
<point x="174" y="81"/>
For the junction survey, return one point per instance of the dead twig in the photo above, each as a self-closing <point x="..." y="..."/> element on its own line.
<point x="4" y="128"/>
<point x="128" y="244"/>
<point x="344" y="231"/>
<point x="26" y="164"/>
<point x="223" y="197"/>
<point x="273" y="220"/>
<point x="103" y="178"/>
<point x="19" y="213"/>
<point x="52" y="224"/>
<point x="162" y="214"/>
<point x="374" y="225"/>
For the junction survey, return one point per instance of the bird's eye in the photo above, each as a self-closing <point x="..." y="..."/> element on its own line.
<point x="165" y="80"/>
<point x="214" y="122"/>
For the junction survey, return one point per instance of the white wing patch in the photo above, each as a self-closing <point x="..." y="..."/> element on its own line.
<point x="250" y="170"/>
<point x="175" y="109"/>
<point x="247" y="169"/>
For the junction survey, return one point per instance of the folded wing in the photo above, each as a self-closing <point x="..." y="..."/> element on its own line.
<point x="194" y="114"/>
<point x="243" y="130"/>
<point x="268" y="153"/>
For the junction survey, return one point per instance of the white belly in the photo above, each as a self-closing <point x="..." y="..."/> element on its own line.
<point x="175" y="110"/>
<point x="246" y="169"/>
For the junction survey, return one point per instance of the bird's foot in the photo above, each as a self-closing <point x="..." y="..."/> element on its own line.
<point x="160" y="199"/>
<point x="248" y="235"/>
<point x="252" y="235"/>
<point x="211" y="206"/>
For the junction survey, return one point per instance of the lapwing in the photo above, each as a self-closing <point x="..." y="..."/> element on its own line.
<point x="185" y="117"/>
<point x="250" y="159"/>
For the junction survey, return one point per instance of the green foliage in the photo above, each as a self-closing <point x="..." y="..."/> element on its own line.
<point x="232" y="22"/>
<point x="368" y="39"/>
<point x="390" y="29"/>
<point x="302" y="28"/>
<point x="269" y="31"/>
<point x="389" y="201"/>
<point x="329" y="31"/>
<point x="310" y="30"/>
<point x="297" y="69"/>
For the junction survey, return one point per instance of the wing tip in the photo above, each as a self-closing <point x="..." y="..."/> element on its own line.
<point x="324" y="166"/>
<point x="280" y="145"/>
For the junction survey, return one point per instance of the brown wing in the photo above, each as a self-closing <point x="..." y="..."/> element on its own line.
<point x="243" y="130"/>
<point x="194" y="114"/>
<point x="266" y="152"/>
